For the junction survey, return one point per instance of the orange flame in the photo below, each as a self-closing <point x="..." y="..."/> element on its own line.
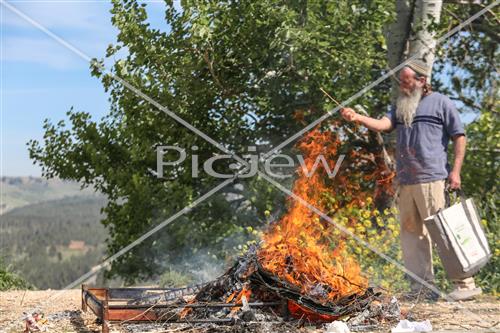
<point x="184" y="312"/>
<point x="300" y="248"/>
<point x="245" y="292"/>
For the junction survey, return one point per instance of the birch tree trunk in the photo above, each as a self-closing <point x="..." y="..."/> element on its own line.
<point x="397" y="39"/>
<point x="423" y="41"/>
<point x="410" y="35"/>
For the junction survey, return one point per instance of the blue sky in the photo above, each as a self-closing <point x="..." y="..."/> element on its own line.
<point x="43" y="79"/>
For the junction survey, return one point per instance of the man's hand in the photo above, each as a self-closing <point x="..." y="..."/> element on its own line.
<point x="349" y="114"/>
<point x="454" y="180"/>
<point x="377" y="125"/>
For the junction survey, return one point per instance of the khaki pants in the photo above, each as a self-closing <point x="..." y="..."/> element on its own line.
<point x="417" y="202"/>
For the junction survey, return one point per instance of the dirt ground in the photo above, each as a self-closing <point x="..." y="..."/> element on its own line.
<point x="63" y="311"/>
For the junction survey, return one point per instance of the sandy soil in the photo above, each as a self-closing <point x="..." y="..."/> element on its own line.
<point x="63" y="311"/>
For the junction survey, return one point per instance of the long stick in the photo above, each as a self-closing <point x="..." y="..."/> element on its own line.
<point x="380" y="139"/>
<point x="328" y="95"/>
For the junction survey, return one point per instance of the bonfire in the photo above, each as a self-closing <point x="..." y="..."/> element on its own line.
<point x="302" y="269"/>
<point x="301" y="260"/>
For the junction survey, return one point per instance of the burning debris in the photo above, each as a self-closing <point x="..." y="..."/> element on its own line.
<point x="301" y="262"/>
<point x="245" y="295"/>
<point x="302" y="270"/>
<point x="248" y="282"/>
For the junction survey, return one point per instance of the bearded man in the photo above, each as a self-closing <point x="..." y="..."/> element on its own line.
<point x="424" y="122"/>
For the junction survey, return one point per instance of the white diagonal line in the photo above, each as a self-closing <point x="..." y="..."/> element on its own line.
<point x="357" y="238"/>
<point x="203" y="135"/>
<point x="173" y="115"/>
<point x="127" y="85"/>
<point x="373" y="84"/>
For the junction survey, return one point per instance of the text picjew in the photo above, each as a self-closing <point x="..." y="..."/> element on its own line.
<point x="275" y="165"/>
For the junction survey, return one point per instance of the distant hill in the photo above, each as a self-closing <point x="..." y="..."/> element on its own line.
<point x="50" y="242"/>
<point x="22" y="191"/>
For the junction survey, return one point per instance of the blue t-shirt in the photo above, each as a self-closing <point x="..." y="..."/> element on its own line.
<point x="421" y="151"/>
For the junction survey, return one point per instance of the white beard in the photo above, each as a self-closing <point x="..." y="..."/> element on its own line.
<point x="406" y="106"/>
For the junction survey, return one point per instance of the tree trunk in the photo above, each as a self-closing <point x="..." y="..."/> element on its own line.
<point x="422" y="40"/>
<point x="397" y="39"/>
<point x="410" y="35"/>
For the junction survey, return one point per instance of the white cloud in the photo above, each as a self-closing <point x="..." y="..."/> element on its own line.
<point x="71" y="15"/>
<point x="85" y="25"/>
<point x="48" y="52"/>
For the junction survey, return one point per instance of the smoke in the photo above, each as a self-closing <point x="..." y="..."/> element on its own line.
<point x="406" y="105"/>
<point x="204" y="268"/>
<point x="186" y="271"/>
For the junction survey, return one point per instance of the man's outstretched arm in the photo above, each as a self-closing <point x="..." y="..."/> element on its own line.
<point x="378" y="125"/>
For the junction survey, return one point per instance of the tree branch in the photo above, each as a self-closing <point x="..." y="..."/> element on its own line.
<point x="467" y="101"/>
<point x="210" y="65"/>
